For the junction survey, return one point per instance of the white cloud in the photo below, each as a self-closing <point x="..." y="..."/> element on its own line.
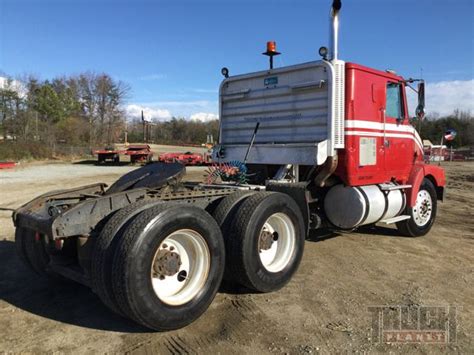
<point x="150" y="114"/>
<point x="446" y="96"/>
<point x="163" y="113"/>
<point x="164" y="110"/>
<point x="12" y="84"/>
<point x="204" y="116"/>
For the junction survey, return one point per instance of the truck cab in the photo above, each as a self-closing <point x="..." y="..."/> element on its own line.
<point x="340" y="128"/>
<point x="380" y="143"/>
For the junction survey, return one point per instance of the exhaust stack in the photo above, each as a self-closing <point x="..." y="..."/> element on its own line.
<point x="334" y="30"/>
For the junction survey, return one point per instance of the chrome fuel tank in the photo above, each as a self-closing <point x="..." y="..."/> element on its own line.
<point x="348" y="207"/>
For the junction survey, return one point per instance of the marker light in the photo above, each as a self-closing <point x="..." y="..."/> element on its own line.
<point x="225" y="72"/>
<point x="323" y="52"/>
<point x="271" y="48"/>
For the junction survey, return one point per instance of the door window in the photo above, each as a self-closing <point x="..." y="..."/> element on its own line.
<point x="394" y="102"/>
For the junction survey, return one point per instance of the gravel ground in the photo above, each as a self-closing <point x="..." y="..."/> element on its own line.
<point x="324" y="309"/>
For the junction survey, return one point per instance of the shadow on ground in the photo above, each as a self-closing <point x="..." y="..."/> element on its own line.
<point x="66" y="302"/>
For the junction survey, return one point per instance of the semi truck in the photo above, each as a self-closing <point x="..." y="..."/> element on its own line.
<point x="324" y="144"/>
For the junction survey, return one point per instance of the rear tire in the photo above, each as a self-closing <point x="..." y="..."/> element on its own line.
<point x="266" y="243"/>
<point x="227" y="208"/>
<point x="224" y="215"/>
<point x="32" y="250"/>
<point x="158" y="280"/>
<point x="104" y="250"/>
<point x="423" y="214"/>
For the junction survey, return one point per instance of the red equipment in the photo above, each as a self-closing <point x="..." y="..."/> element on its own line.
<point x="139" y="153"/>
<point x="7" y="164"/>
<point x="136" y="152"/>
<point x="187" y="158"/>
<point x="109" y="153"/>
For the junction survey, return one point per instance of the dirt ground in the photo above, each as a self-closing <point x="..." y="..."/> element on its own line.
<point x="323" y="309"/>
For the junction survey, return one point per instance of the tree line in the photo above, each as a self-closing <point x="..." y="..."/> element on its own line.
<point x="174" y="131"/>
<point x="82" y="109"/>
<point x="433" y="128"/>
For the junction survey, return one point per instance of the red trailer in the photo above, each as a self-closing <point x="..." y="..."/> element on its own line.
<point x="187" y="158"/>
<point x="7" y="164"/>
<point x="168" y="157"/>
<point x="137" y="153"/>
<point x="108" y="153"/>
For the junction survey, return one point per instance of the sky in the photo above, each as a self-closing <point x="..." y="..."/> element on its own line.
<point x="171" y="52"/>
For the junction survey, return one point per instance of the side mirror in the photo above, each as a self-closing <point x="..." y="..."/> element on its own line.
<point x="420" y="109"/>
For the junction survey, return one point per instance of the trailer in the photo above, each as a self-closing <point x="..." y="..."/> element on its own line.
<point x="323" y="144"/>
<point x="138" y="153"/>
<point x="108" y="153"/>
<point x="7" y="164"/>
<point x="187" y="158"/>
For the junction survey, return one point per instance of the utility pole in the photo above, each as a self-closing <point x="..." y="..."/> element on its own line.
<point x="144" y="128"/>
<point x="36" y="134"/>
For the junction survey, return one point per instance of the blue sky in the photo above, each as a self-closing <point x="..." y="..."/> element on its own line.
<point x="171" y="52"/>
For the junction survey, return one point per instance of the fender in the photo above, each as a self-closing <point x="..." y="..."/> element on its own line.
<point x="419" y="172"/>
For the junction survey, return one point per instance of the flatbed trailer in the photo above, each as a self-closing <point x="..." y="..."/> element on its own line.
<point x="106" y="154"/>
<point x="187" y="158"/>
<point x="323" y="144"/>
<point x="138" y="153"/>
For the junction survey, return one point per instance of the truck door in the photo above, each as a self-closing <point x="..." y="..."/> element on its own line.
<point x="398" y="136"/>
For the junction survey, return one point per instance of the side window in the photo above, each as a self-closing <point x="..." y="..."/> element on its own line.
<point x="394" y="102"/>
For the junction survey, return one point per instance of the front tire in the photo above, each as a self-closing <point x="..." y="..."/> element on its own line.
<point x="423" y="214"/>
<point x="266" y="243"/>
<point x="168" y="266"/>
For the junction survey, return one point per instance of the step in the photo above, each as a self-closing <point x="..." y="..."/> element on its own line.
<point x="395" y="219"/>
<point x="390" y="187"/>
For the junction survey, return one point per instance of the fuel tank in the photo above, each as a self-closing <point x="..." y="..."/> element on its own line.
<point x="348" y="207"/>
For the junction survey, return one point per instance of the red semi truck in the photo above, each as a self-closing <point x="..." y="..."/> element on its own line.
<point x="323" y="144"/>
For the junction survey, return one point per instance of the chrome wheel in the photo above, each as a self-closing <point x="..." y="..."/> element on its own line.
<point x="423" y="208"/>
<point x="276" y="242"/>
<point x="180" y="267"/>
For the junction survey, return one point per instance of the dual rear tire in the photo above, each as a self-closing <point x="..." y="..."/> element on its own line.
<point x="264" y="236"/>
<point x="162" y="267"/>
<point x="162" y="264"/>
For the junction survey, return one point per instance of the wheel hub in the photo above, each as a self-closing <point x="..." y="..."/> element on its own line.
<point x="180" y="267"/>
<point x="423" y="208"/>
<point x="167" y="263"/>
<point x="266" y="240"/>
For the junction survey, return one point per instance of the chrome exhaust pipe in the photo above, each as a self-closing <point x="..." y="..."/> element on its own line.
<point x="334" y="30"/>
